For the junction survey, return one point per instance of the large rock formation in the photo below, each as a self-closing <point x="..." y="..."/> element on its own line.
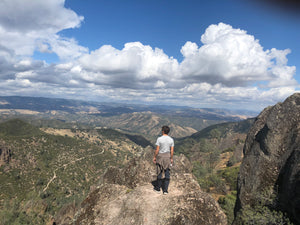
<point x="5" y="155"/>
<point x="126" y="196"/>
<point x="270" y="171"/>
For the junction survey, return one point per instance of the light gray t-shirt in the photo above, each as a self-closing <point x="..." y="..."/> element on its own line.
<point x="165" y="143"/>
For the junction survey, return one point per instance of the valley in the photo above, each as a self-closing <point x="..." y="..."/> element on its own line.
<point x="58" y="150"/>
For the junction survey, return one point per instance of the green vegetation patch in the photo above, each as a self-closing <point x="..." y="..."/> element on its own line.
<point x="262" y="215"/>
<point x="227" y="203"/>
<point x="230" y="175"/>
<point x="47" y="172"/>
<point x="17" y="127"/>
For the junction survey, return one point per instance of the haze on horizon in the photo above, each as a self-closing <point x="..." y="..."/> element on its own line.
<point x="236" y="55"/>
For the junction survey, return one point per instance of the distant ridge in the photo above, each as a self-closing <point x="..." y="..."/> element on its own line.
<point x="17" y="127"/>
<point x="133" y="119"/>
<point x="42" y="104"/>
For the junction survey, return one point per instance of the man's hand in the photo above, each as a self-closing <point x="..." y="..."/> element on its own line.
<point x="171" y="161"/>
<point x="154" y="160"/>
<point x="155" y="154"/>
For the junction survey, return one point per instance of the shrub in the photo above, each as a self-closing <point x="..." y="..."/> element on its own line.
<point x="230" y="175"/>
<point x="262" y="215"/>
<point x="206" y="146"/>
<point x="262" y="211"/>
<point x="215" y="133"/>
<point x="227" y="203"/>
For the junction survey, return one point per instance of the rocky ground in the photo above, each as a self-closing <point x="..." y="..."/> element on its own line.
<point x="126" y="196"/>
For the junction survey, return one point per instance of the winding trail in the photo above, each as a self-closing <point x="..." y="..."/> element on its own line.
<point x="50" y="181"/>
<point x="67" y="164"/>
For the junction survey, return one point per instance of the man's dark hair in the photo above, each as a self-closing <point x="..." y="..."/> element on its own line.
<point x="165" y="129"/>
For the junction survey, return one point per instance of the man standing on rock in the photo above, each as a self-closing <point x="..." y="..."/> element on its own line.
<point x="163" y="158"/>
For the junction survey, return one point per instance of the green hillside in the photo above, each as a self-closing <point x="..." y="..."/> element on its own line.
<point x="17" y="127"/>
<point x="218" y="136"/>
<point x="46" y="172"/>
<point x="213" y="150"/>
<point x="216" y="153"/>
<point x="145" y="120"/>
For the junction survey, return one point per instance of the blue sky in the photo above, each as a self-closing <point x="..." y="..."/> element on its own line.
<point x="230" y="54"/>
<point x="169" y="24"/>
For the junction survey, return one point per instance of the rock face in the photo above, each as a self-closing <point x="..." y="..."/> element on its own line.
<point x="271" y="164"/>
<point x="126" y="196"/>
<point x="5" y="155"/>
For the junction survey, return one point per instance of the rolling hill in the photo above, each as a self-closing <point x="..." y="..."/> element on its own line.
<point x="41" y="172"/>
<point x="216" y="153"/>
<point x="134" y="119"/>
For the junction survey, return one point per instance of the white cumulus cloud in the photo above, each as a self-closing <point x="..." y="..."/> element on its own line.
<point x="26" y="26"/>
<point x="135" y="66"/>
<point x="234" y="58"/>
<point x="229" y="68"/>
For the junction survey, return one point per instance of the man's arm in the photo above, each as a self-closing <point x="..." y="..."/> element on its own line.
<point x="155" y="154"/>
<point x="172" y="152"/>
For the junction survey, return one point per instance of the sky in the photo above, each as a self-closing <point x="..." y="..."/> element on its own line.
<point x="234" y="54"/>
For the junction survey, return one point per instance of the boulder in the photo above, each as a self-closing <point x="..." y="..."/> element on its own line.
<point x="270" y="171"/>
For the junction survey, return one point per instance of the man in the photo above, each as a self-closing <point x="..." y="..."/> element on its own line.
<point x="163" y="158"/>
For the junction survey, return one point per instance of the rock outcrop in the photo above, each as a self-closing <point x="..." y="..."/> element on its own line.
<point x="5" y="155"/>
<point x="270" y="171"/>
<point x="126" y="196"/>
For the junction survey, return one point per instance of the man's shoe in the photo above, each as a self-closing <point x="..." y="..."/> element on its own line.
<point x="165" y="193"/>
<point x="157" y="191"/>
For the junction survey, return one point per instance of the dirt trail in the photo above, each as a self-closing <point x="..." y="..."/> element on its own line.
<point x="67" y="164"/>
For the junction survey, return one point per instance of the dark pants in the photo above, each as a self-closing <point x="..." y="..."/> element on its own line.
<point x="163" y="183"/>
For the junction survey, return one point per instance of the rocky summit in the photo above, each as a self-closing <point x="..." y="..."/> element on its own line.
<point x="126" y="196"/>
<point x="270" y="171"/>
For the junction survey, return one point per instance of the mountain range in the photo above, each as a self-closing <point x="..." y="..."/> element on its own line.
<point x="57" y="150"/>
<point x="39" y="104"/>
<point x="135" y="119"/>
